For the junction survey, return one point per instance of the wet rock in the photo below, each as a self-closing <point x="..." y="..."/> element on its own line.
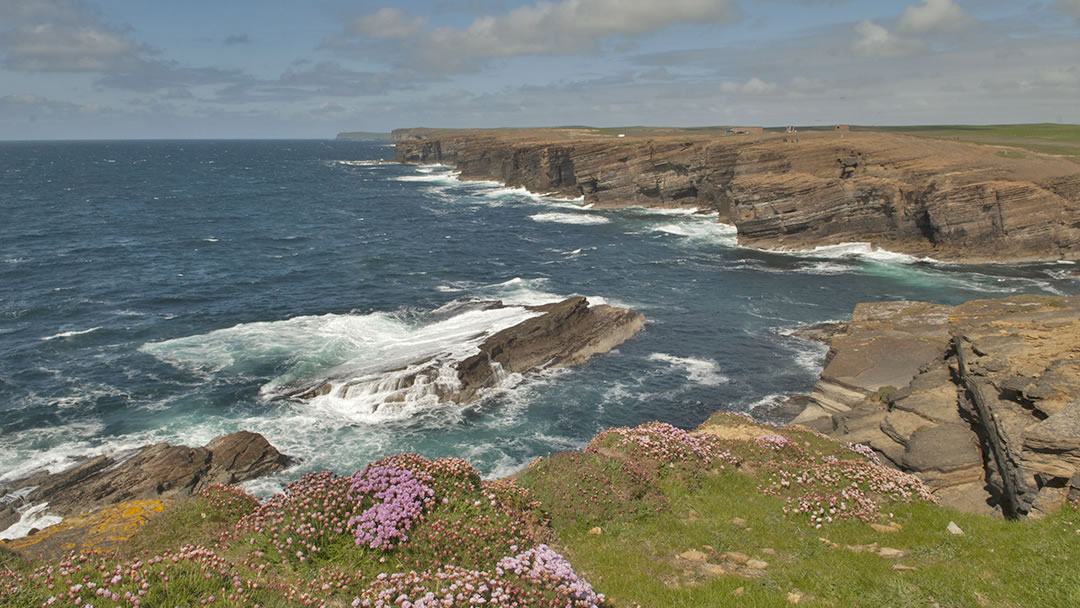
<point x="563" y="334"/>
<point x="154" y="472"/>
<point x="566" y="334"/>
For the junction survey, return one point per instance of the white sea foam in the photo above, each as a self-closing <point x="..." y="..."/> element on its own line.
<point x="518" y="291"/>
<point x="448" y="177"/>
<point x="364" y="163"/>
<point x="681" y="211"/>
<point x="507" y="191"/>
<point x="378" y="366"/>
<point x="702" y="230"/>
<point x="569" y="218"/>
<point x="69" y="334"/>
<point x="31" y="517"/>
<point x="701" y="371"/>
<point x="767" y="400"/>
<point x="860" y="250"/>
<point x="211" y="239"/>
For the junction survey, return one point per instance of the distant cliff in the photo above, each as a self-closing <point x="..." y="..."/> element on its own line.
<point x="944" y="199"/>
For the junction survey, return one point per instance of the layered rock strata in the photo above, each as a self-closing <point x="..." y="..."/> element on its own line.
<point x="944" y="199"/>
<point x="562" y="334"/>
<point x="158" y="472"/>
<point x="981" y="400"/>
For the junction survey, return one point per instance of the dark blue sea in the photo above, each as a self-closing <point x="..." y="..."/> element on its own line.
<point x="177" y="290"/>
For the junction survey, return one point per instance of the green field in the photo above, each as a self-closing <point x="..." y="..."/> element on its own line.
<point x="1045" y="138"/>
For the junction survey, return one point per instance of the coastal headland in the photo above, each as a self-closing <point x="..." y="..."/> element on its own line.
<point x="946" y="199"/>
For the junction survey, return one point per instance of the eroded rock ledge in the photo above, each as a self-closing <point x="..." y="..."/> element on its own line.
<point x="981" y="400"/>
<point x="944" y="199"/>
<point x="154" y="472"/>
<point x="562" y="334"/>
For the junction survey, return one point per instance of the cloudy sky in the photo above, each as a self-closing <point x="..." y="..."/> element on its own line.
<point x="73" y="69"/>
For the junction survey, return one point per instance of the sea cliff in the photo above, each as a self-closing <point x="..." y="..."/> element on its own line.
<point x="948" y="200"/>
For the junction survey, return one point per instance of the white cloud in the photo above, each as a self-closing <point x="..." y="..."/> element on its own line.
<point x="63" y="48"/>
<point x="67" y="11"/>
<point x="876" y="41"/>
<point x="386" y="23"/>
<point x="61" y="36"/>
<point x="934" y="16"/>
<point x="754" y="86"/>
<point x="1071" y="7"/>
<point x="544" y="28"/>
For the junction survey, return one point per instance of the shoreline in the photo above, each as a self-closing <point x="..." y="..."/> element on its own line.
<point x="945" y="201"/>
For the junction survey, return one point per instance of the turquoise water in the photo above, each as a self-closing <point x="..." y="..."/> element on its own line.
<point x="174" y="291"/>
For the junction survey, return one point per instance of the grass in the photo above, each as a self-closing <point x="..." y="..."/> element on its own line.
<point x="1044" y="138"/>
<point x="650" y="516"/>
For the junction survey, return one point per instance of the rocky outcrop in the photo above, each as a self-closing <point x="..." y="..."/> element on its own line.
<point x="560" y="334"/>
<point x="981" y="400"/>
<point x="944" y="199"/>
<point x="567" y="333"/>
<point x="156" y="472"/>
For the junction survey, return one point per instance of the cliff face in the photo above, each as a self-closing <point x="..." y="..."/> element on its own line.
<point x="948" y="200"/>
<point x="980" y="400"/>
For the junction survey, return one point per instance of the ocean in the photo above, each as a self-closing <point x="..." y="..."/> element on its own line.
<point x="177" y="290"/>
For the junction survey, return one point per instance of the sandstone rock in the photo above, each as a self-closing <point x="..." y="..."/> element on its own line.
<point x="153" y="472"/>
<point x="903" y="568"/>
<point x="757" y="564"/>
<point x="890" y="553"/>
<point x="947" y="448"/>
<point x="693" y="555"/>
<point x="563" y="334"/>
<point x="597" y="531"/>
<point x="954" y="529"/>
<point x="885" y="529"/>
<point x="950" y="200"/>
<point x="102" y="530"/>
<point x="735" y="556"/>
<point x="713" y="569"/>
<point x="991" y="422"/>
<point x="739" y="591"/>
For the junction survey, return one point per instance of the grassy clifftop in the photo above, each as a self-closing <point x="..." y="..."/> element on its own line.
<point x="733" y="514"/>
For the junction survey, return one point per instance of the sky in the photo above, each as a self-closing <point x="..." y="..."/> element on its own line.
<point x="120" y="69"/>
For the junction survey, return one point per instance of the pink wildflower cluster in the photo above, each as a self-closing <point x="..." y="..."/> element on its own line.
<point x="545" y="568"/>
<point x="538" y="578"/>
<point x="864" y="450"/>
<point x="841" y="489"/>
<point x="448" y="477"/>
<point x="666" y="444"/>
<point x="298" y="522"/>
<point x="83" y="581"/>
<point x="399" y="502"/>
<point x="774" y="441"/>
<point x="228" y="501"/>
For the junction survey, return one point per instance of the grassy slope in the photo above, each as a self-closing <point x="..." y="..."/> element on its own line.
<point x="995" y="563"/>
<point x="650" y="510"/>
<point x="1045" y="138"/>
